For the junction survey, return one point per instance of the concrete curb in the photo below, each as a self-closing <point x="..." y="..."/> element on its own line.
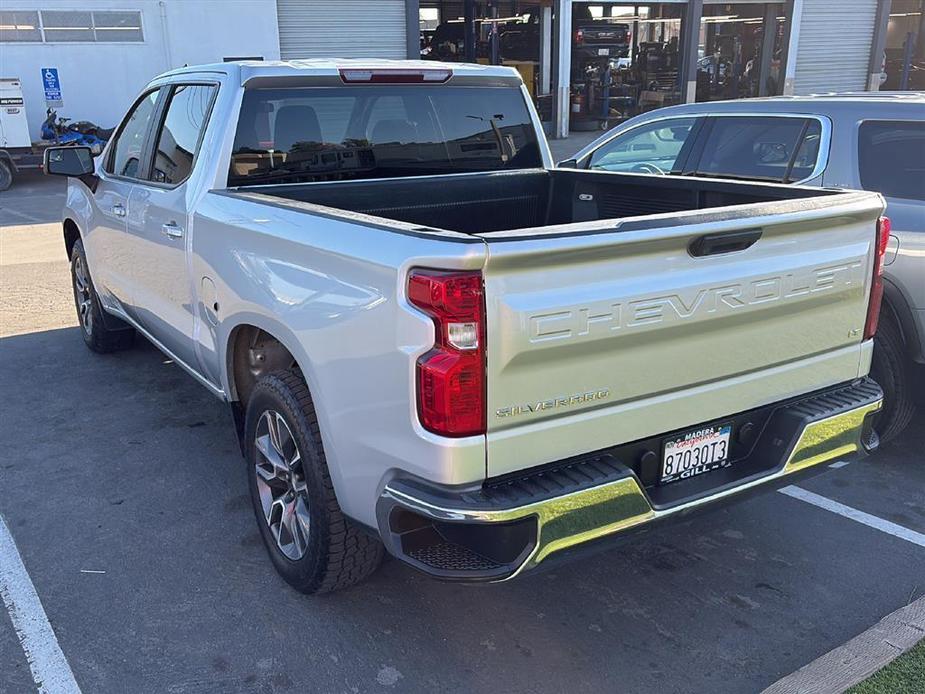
<point x="862" y="656"/>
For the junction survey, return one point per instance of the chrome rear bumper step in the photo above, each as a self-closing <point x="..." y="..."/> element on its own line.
<point x="509" y="525"/>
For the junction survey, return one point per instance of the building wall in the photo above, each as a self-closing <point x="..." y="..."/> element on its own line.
<point x="99" y="80"/>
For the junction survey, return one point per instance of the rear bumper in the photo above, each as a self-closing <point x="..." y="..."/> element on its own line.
<point x="513" y="524"/>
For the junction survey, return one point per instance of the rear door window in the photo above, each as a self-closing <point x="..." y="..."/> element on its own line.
<point x="650" y="148"/>
<point x="765" y="148"/>
<point x="376" y="131"/>
<point x="891" y="158"/>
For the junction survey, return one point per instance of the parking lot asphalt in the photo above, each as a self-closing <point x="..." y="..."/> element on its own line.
<point x="33" y="199"/>
<point x="123" y="488"/>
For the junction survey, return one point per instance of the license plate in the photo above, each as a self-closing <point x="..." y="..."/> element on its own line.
<point x="603" y="51"/>
<point x="696" y="452"/>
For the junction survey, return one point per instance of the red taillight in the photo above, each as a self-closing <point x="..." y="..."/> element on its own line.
<point x="451" y="376"/>
<point x="876" y="287"/>
<point x="579" y="37"/>
<point x="395" y="76"/>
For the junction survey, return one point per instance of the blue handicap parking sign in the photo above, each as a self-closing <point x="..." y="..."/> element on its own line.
<point x="52" y="86"/>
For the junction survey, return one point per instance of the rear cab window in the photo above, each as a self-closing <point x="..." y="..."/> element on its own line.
<point x="378" y="131"/>
<point x="782" y="149"/>
<point x="891" y="158"/>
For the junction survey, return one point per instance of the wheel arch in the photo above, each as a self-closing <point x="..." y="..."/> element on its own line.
<point x="71" y="234"/>
<point x="281" y="350"/>
<point x="253" y="350"/>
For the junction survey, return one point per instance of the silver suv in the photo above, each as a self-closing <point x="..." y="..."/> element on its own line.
<point x="869" y="140"/>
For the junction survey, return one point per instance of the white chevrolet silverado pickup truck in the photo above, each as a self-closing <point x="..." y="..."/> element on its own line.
<point x="436" y="343"/>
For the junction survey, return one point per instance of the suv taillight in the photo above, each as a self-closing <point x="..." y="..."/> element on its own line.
<point x="451" y="376"/>
<point x="876" y="286"/>
<point x="579" y="37"/>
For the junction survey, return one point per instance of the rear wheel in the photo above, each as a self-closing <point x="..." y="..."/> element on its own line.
<point x="6" y="174"/>
<point x="890" y="369"/>
<point x="100" y="334"/>
<point x="313" y="546"/>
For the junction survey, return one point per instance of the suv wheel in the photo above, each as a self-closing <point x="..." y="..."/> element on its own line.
<point x="890" y="368"/>
<point x="97" y="335"/>
<point x="313" y="546"/>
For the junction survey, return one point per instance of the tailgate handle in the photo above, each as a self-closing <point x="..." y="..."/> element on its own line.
<point x="716" y="244"/>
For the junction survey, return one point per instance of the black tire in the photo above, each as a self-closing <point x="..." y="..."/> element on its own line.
<point x="890" y="369"/>
<point x="6" y="175"/>
<point x="100" y="334"/>
<point x="335" y="552"/>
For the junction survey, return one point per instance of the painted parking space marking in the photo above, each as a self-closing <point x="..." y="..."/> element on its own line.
<point x="840" y="464"/>
<point x="867" y="519"/>
<point x="21" y="215"/>
<point x="50" y="669"/>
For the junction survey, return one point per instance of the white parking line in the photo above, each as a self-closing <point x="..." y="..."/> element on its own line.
<point x="21" y="215"/>
<point x="867" y="519"/>
<point x="840" y="464"/>
<point x="50" y="669"/>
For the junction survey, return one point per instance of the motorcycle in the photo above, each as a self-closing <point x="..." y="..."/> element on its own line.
<point x="81" y="134"/>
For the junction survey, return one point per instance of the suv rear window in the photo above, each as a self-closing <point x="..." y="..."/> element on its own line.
<point x="891" y="158"/>
<point x="364" y="131"/>
<point x="765" y="148"/>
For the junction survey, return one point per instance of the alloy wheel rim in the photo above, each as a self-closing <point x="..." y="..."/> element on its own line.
<point x="281" y="485"/>
<point x="82" y="293"/>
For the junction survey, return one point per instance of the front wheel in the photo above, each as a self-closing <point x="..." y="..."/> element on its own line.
<point x="313" y="546"/>
<point x="97" y="334"/>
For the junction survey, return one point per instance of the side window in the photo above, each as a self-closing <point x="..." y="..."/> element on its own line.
<point x="758" y="147"/>
<point x="179" y="136"/>
<point x="891" y="158"/>
<point x="651" y="148"/>
<point x="127" y="149"/>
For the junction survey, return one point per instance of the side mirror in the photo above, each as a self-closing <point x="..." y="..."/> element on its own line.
<point x="567" y="164"/>
<point x="71" y="161"/>
<point x="68" y="161"/>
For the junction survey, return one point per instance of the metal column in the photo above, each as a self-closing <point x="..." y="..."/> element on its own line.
<point x="690" y="41"/>
<point x="563" y="67"/>
<point x="545" y="80"/>
<point x="878" y="45"/>
<point x="767" y="48"/>
<point x="469" y="31"/>
<point x="413" y="28"/>
<point x="794" y="14"/>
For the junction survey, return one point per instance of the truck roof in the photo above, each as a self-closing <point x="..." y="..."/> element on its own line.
<point x="329" y="67"/>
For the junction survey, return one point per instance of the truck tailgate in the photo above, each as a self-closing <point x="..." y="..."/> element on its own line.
<point x="607" y="332"/>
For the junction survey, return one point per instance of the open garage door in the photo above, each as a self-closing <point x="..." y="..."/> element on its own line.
<point x="834" y="47"/>
<point x="343" y="29"/>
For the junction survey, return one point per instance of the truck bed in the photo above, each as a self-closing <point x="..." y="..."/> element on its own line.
<point x="504" y="201"/>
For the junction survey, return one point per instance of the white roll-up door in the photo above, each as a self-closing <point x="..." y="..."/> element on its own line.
<point x="341" y="29"/>
<point x="833" y="53"/>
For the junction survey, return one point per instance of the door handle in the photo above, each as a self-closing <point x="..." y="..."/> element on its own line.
<point x="118" y="209"/>
<point x="717" y="244"/>
<point x="172" y="230"/>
